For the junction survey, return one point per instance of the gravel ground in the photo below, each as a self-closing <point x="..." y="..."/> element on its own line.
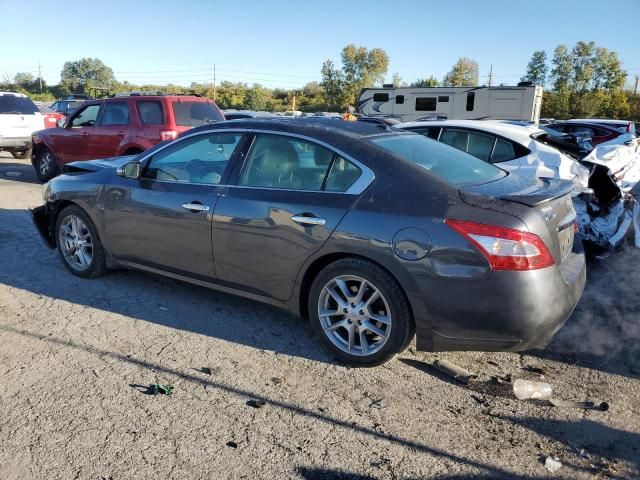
<point x="77" y="358"/>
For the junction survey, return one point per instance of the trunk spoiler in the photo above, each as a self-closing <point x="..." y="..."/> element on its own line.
<point x="523" y="190"/>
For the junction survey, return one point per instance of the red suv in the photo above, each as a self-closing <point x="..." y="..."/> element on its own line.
<point x="123" y="125"/>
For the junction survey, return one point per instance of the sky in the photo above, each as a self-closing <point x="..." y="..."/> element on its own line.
<point x="283" y="44"/>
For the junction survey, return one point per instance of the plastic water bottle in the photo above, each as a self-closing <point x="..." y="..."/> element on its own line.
<point x="525" y="389"/>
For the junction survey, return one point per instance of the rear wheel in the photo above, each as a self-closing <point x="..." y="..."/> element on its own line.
<point x="22" y="154"/>
<point x="360" y="312"/>
<point x="45" y="165"/>
<point x="78" y="243"/>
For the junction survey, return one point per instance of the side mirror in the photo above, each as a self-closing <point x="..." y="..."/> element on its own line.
<point x="60" y="123"/>
<point x="129" y="170"/>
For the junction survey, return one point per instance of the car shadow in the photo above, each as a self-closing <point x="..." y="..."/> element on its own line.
<point x="18" y="172"/>
<point x="593" y="437"/>
<point x="26" y="263"/>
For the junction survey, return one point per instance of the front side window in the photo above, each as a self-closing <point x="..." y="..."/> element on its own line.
<point x="426" y="104"/>
<point x="201" y="159"/>
<point x="276" y="161"/>
<point x="150" y="112"/>
<point x="115" y="113"/>
<point x="86" y="117"/>
<point x="192" y="114"/>
<point x="449" y="164"/>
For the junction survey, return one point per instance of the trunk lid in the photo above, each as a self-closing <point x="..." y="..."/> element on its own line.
<point x="543" y="205"/>
<point x="19" y="117"/>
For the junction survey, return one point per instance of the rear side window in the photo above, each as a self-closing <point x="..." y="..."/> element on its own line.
<point x="426" y="104"/>
<point x="342" y="175"/>
<point x="400" y="99"/>
<point x="380" y="97"/>
<point x="191" y="114"/>
<point x="150" y="112"/>
<point x="12" y="104"/>
<point x="476" y="144"/>
<point x="449" y="164"/>
<point x="279" y="162"/>
<point x="503" y="152"/>
<point x="115" y="113"/>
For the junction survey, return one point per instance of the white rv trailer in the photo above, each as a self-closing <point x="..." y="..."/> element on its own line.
<point x="453" y="103"/>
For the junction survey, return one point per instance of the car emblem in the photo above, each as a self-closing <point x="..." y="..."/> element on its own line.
<point x="548" y="213"/>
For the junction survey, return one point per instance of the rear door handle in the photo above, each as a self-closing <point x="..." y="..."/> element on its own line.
<point x="195" y="207"/>
<point x="306" y="220"/>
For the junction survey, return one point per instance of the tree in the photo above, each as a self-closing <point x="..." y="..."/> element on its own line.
<point x="361" y="68"/>
<point x="256" y="98"/>
<point x="537" y="69"/>
<point x="426" y="82"/>
<point x="396" y="80"/>
<point x="561" y="76"/>
<point x="463" y="74"/>
<point x="84" y="74"/>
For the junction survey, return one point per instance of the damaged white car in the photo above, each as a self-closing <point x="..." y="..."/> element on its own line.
<point x="604" y="176"/>
<point x="525" y="149"/>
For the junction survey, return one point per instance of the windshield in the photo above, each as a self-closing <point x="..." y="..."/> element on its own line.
<point x="17" y="105"/>
<point x="191" y="114"/>
<point x="448" y="163"/>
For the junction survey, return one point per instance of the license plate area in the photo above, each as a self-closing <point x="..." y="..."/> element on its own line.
<point x="565" y="238"/>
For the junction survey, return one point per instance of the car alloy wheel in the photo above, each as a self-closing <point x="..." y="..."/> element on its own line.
<point x="354" y="315"/>
<point x="76" y="243"/>
<point x="46" y="164"/>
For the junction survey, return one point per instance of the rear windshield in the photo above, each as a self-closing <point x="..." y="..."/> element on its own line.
<point x="17" y="105"/>
<point x="448" y="163"/>
<point x="191" y="114"/>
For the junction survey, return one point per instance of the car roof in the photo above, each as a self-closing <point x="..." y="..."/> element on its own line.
<point x="305" y="125"/>
<point x="519" y="133"/>
<point x="15" y="94"/>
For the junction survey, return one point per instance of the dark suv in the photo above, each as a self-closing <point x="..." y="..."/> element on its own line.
<point x="123" y="125"/>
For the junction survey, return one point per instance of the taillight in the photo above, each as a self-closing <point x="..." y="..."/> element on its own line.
<point x="505" y="248"/>
<point x="168" y="135"/>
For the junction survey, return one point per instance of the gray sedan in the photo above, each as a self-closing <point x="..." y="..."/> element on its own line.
<point x="373" y="235"/>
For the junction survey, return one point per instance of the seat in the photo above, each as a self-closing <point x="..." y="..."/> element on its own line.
<point x="275" y="167"/>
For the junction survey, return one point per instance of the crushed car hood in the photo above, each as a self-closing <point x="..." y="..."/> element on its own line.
<point x="98" y="164"/>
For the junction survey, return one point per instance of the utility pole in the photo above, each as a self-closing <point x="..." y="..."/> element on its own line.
<point x="214" y="82"/>
<point x="490" y="74"/>
<point x="40" y="76"/>
<point x="635" y="86"/>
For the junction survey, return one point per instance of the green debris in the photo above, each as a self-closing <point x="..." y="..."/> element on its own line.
<point x="164" y="389"/>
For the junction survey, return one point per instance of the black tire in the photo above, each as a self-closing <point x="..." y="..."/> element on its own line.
<point x="402" y="327"/>
<point x="45" y="165"/>
<point x="22" y="154"/>
<point x="97" y="266"/>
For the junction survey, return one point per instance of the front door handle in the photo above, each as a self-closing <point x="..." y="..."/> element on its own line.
<point x="195" y="207"/>
<point x="307" y="220"/>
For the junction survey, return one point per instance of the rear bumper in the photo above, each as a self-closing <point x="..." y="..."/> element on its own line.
<point x="42" y="219"/>
<point x="500" y="311"/>
<point x="18" y="143"/>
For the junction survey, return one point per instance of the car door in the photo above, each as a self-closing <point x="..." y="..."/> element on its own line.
<point x="112" y="128"/>
<point x="163" y="219"/>
<point x="290" y="195"/>
<point x="75" y="141"/>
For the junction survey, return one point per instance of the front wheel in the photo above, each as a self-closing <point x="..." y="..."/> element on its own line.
<point x="45" y="165"/>
<point x="78" y="243"/>
<point x="360" y="312"/>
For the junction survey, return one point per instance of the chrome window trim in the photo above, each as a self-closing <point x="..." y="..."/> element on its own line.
<point x="360" y="185"/>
